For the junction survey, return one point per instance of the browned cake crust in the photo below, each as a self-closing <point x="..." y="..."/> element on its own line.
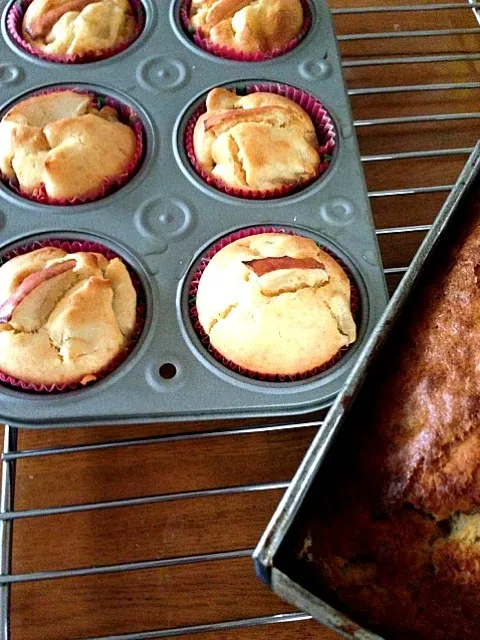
<point x="251" y="26"/>
<point x="66" y="27"/>
<point x="398" y="543"/>
<point x="258" y="141"/>
<point x="276" y="304"/>
<point x="62" y="141"/>
<point x="63" y="317"/>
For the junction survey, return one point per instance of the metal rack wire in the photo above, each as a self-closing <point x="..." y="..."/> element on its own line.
<point x="12" y="454"/>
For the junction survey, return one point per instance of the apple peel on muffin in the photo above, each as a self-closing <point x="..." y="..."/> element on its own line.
<point x="63" y="317"/>
<point x="261" y="141"/>
<point x="61" y="141"/>
<point x="276" y="304"/>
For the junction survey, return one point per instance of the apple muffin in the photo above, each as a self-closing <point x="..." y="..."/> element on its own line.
<point x="248" y="26"/>
<point x="63" y="317"/>
<point x="63" y="142"/>
<point x="276" y="304"/>
<point x="257" y="142"/>
<point x="75" y="27"/>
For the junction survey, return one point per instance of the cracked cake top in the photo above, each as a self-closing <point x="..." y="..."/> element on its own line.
<point x="66" y="27"/>
<point x="275" y="304"/>
<point x="62" y="141"/>
<point x="63" y="317"/>
<point x="255" y="142"/>
<point x="250" y="26"/>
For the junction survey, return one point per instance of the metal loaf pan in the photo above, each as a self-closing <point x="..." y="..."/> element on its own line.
<point x="163" y="219"/>
<point x="276" y="557"/>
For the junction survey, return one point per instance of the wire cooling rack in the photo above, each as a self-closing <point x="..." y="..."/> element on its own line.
<point x="423" y="128"/>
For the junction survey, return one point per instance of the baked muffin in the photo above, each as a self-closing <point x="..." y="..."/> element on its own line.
<point x="61" y="141"/>
<point x="275" y="304"/>
<point x="74" y="27"/>
<point x="260" y="141"/>
<point x="63" y="317"/>
<point x="248" y="26"/>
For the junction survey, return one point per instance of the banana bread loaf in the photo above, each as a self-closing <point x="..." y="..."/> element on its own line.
<point x="396" y="539"/>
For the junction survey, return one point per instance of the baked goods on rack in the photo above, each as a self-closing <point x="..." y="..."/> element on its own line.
<point x="63" y="317"/>
<point x="275" y="304"/>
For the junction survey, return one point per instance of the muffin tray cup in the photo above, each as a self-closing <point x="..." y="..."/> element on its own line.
<point x="14" y="22"/>
<point x="204" y="338"/>
<point x="73" y="247"/>
<point x="227" y="52"/>
<point x="127" y="116"/>
<point x="166" y="217"/>
<point x="324" y="128"/>
<point x="281" y="557"/>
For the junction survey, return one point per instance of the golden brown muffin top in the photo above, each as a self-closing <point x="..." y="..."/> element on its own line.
<point x="67" y="27"/>
<point x="255" y="142"/>
<point x="275" y="304"/>
<point x="250" y="26"/>
<point x="61" y="140"/>
<point x="63" y="317"/>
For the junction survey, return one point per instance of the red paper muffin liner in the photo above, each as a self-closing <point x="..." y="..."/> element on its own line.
<point x="203" y="336"/>
<point x="127" y="116"/>
<point x="232" y="54"/>
<point x="73" y="246"/>
<point x="14" y="24"/>
<point x="324" y="128"/>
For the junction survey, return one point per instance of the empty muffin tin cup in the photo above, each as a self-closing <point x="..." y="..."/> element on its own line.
<point x="127" y="116"/>
<point x="14" y="24"/>
<point x="202" y="263"/>
<point x="74" y="246"/>
<point x="324" y="128"/>
<point x="229" y="53"/>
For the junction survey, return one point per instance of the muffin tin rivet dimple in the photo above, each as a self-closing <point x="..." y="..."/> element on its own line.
<point x="160" y="73"/>
<point x="339" y="212"/>
<point x="9" y="74"/>
<point x="372" y="258"/>
<point x="315" y="69"/>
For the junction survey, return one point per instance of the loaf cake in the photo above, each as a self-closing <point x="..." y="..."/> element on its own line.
<point x="248" y="26"/>
<point x="74" y="27"/>
<point x="63" y="317"/>
<point x="62" y="142"/>
<point x="395" y="540"/>
<point x="275" y="304"/>
<point x="257" y="142"/>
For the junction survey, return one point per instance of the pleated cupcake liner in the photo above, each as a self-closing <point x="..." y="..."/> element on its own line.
<point x="355" y="305"/>
<point x="14" y="25"/>
<point x="74" y="246"/>
<point x="109" y="185"/>
<point x="229" y="53"/>
<point x="324" y="128"/>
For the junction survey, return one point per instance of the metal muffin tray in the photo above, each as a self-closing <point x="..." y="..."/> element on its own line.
<point x="165" y="217"/>
<point x="281" y="557"/>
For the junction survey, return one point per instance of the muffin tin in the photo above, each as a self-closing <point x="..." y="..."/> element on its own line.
<point x="165" y="217"/>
